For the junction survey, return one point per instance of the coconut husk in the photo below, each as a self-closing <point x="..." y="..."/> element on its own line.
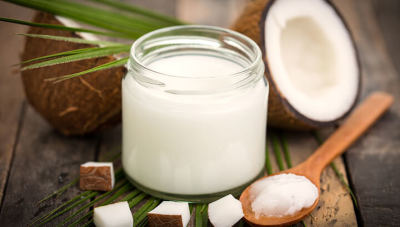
<point x="280" y="113"/>
<point x="76" y="106"/>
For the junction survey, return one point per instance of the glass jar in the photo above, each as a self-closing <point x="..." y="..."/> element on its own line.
<point x="194" y="105"/>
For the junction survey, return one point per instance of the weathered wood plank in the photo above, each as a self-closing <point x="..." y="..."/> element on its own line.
<point x="374" y="161"/>
<point x="11" y="94"/>
<point x="44" y="161"/>
<point x="388" y="18"/>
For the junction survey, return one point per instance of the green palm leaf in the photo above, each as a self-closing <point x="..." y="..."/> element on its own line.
<point x="65" y="204"/>
<point x="131" y="26"/>
<point x="62" y="27"/>
<point x="141" y="214"/>
<point x="121" y="189"/>
<point x="268" y="166"/>
<point x="201" y="209"/>
<point x="132" y="203"/>
<point x="81" y="199"/>
<point x="275" y="148"/>
<point x="60" y="54"/>
<point x="128" y="197"/>
<point x="108" y="65"/>
<point x="137" y="10"/>
<point x="95" y="53"/>
<point x="71" y="39"/>
<point x="77" y="203"/>
<point x="61" y="190"/>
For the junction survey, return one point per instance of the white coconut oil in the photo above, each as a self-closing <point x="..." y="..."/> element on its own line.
<point x="194" y="121"/>
<point x="282" y="195"/>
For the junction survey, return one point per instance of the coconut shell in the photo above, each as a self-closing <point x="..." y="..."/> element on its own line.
<point x="164" y="220"/>
<point x="76" y="106"/>
<point x="96" y="178"/>
<point x="280" y="113"/>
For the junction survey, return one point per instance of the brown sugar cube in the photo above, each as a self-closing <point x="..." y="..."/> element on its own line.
<point x="96" y="176"/>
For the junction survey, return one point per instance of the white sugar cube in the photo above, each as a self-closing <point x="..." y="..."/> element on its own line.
<point x="225" y="211"/>
<point x="113" y="215"/>
<point x="168" y="212"/>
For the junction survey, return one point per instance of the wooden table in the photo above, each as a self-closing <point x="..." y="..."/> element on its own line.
<point x="35" y="160"/>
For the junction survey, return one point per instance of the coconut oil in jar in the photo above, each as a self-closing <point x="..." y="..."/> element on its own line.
<point x="194" y="113"/>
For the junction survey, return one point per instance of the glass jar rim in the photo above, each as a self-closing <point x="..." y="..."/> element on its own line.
<point x="234" y="34"/>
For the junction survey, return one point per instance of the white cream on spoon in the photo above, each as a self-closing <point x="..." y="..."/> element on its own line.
<point x="282" y="195"/>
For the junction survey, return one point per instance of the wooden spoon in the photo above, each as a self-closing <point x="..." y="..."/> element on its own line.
<point x="358" y="122"/>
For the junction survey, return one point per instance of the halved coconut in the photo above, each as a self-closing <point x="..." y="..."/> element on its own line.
<point x="310" y="57"/>
<point x="77" y="106"/>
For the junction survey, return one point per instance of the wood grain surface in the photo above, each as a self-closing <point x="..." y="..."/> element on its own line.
<point x="11" y="95"/>
<point x="374" y="161"/>
<point x="35" y="160"/>
<point x="44" y="161"/>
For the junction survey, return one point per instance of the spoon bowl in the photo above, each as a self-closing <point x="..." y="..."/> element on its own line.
<point x="359" y="121"/>
<point x="263" y="220"/>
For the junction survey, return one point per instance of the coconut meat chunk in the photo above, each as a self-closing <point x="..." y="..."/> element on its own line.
<point x="167" y="213"/>
<point x="113" y="215"/>
<point x="311" y="58"/>
<point x="225" y="211"/>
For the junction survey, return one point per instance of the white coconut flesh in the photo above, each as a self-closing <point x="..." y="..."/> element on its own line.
<point x="72" y="23"/>
<point x="311" y="58"/>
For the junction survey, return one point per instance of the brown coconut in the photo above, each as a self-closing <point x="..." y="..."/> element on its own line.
<point x="76" y="106"/>
<point x="280" y="113"/>
<point x="164" y="220"/>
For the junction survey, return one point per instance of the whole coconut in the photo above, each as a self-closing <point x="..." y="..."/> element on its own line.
<point x="76" y="106"/>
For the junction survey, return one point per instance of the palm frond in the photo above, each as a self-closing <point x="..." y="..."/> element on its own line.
<point x="285" y="149"/>
<point x="65" y="204"/>
<point x="118" y="174"/>
<point x="137" y="199"/>
<point x="201" y="212"/>
<point x="268" y="166"/>
<point x="275" y="147"/>
<point x="62" y="27"/>
<point x="61" y="190"/>
<point x="72" y="206"/>
<point x="59" y="54"/>
<point x="94" y="53"/>
<point x="131" y="26"/>
<point x="141" y="11"/>
<point x="76" y="201"/>
<point x="108" y="65"/>
<point x="132" y="203"/>
<point x="140" y="215"/>
<point x="123" y="187"/>
<point x="71" y="39"/>
<point x="128" y="197"/>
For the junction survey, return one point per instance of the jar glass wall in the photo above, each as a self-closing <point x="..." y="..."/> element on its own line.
<point x="194" y="113"/>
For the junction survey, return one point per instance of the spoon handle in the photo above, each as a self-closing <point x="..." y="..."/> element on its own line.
<point x="355" y="125"/>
